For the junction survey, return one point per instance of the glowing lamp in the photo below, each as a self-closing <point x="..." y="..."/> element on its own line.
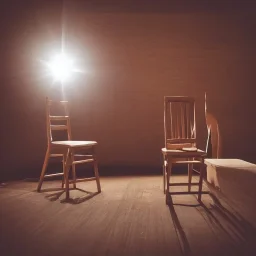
<point x="61" y="67"/>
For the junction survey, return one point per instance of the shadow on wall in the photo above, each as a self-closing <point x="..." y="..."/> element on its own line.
<point x="214" y="142"/>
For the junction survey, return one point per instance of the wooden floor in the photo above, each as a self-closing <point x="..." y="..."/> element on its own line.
<point x="129" y="217"/>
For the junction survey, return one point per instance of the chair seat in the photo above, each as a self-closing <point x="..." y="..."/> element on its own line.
<point x="181" y="153"/>
<point x="73" y="143"/>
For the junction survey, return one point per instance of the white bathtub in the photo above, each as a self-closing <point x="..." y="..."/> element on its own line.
<point x="235" y="179"/>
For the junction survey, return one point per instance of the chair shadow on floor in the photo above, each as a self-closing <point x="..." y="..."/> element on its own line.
<point x="184" y="243"/>
<point x="60" y="191"/>
<point x="245" y="232"/>
<point x="242" y="235"/>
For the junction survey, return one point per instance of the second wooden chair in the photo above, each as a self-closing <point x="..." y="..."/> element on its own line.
<point x="180" y="143"/>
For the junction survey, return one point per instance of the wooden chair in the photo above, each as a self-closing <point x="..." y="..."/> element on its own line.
<point x="66" y="149"/>
<point x="180" y="143"/>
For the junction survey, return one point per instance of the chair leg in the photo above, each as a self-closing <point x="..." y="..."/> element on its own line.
<point x="96" y="171"/>
<point x="63" y="169"/>
<point x="165" y="166"/>
<point x="73" y="171"/>
<point x="74" y="175"/>
<point x="66" y="172"/>
<point x="46" y="160"/>
<point x="164" y="176"/>
<point x="190" y="167"/>
<point x="169" y="170"/>
<point x="201" y="180"/>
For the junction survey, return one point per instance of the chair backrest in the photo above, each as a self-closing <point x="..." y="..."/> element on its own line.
<point x="214" y="143"/>
<point x="59" y="122"/>
<point x="179" y="122"/>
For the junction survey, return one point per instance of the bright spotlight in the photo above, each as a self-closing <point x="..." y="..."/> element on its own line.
<point x="61" y="67"/>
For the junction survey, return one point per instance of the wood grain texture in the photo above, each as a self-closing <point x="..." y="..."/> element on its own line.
<point x="129" y="217"/>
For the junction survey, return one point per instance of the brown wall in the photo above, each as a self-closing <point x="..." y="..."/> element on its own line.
<point x="132" y="59"/>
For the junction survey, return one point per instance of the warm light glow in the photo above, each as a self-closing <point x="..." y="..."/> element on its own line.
<point x="61" y="67"/>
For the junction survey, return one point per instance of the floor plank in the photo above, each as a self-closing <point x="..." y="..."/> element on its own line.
<point x="129" y="217"/>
